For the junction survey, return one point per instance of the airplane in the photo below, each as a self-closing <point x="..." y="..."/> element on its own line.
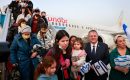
<point x="106" y="34"/>
<point x="57" y="23"/>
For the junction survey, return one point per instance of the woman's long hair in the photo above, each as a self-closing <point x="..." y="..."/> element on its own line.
<point x="47" y="61"/>
<point x="70" y="40"/>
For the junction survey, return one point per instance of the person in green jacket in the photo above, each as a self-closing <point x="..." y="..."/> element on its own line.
<point x="118" y="72"/>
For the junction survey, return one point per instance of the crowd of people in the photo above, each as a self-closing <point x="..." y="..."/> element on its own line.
<point x="37" y="58"/>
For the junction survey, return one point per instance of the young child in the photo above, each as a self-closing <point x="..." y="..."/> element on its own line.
<point x="78" y="58"/>
<point x="46" y="69"/>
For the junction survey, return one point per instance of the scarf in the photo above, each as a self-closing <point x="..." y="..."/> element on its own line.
<point x="64" y="67"/>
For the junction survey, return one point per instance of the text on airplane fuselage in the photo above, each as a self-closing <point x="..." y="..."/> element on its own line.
<point x="57" y="20"/>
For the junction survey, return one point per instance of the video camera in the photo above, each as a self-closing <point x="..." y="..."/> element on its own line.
<point x="37" y="48"/>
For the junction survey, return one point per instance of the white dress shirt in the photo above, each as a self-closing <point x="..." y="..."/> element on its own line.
<point x="95" y="46"/>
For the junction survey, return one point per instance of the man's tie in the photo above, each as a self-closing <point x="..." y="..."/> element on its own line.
<point x="93" y="50"/>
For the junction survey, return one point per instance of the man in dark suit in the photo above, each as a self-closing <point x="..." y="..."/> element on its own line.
<point x="96" y="51"/>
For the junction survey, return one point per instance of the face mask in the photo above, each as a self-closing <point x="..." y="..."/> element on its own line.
<point x="60" y="47"/>
<point x="25" y="36"/>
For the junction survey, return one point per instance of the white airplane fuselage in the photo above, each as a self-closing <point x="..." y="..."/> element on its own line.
<point x="80" y="30"/>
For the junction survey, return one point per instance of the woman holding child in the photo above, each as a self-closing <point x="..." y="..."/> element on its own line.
<point x="61" y="51"/>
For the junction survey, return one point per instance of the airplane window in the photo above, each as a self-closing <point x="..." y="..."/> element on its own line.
<point x="62" y="24"/>
<point x="77" y="26"/>
<point x="56" y="24"/>
<point x="66" y="25"/>
<point x="52" y="23"/>
<point x="69" y="25"/>
<point x="72" y="25"/>
<point x="59" y="24"/>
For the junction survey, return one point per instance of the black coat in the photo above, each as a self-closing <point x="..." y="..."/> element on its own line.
<point x="102" y="53"/>
<point x="15" y="7"/>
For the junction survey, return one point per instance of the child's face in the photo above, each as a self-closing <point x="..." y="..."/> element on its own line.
<point x="77" y="45"/>
<point x="26" y="35"/>
<point x="51" y="70"/>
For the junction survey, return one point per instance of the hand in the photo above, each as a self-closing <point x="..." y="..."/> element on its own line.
<point x="26" y="5"/>
<point x="49" y="43"/>
<point x="15" y="65"/>
<point x="34" y="54"/>
<point x="126" y="70"/>
<point x="82" y="54"/>
<point x="63" y="64"/>
<point x="67" y="61"/>
<point x="91" y="67"/>
<point x="122" y="69"/>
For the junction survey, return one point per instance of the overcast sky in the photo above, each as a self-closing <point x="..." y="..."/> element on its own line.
<point x="95" y="12"/>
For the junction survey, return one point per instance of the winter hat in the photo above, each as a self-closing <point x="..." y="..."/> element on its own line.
<point x="26" y="29"/>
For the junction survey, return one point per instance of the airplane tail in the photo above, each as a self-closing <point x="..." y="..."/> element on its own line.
<point x="122" y="25"/>
<point x="126" y="31"/>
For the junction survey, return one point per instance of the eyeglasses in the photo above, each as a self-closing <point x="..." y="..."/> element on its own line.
<point x="42" y="32"/>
